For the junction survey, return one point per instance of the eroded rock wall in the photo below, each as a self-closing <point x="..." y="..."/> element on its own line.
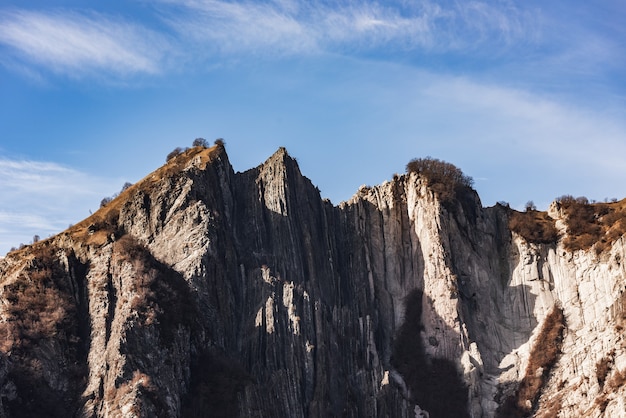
<point x="204" y="292"/>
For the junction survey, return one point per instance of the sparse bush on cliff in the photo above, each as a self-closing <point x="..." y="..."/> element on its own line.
<point x="589" y="225"/>
<point x="583" y="229"/>
<point x="39" y="304"/>
<point x="609" y="377"/>
<point x="543" y="356"/>
<point x="42" y="324"/>
<point x="200" y="142"/>
<point x="105" y="201"/>
<point x="175" y="153"/>
<point x="161" y="295"/>
<point x="449" y="184"/>
<point x="530" y="206"/>
<point x="444" y="178"/>
<point x="220" y="142"/>
<point x="604" y="366"/>
<point x="146" y="401"/>
<point x="126" y="186"/>
<point x="534" y="226"/>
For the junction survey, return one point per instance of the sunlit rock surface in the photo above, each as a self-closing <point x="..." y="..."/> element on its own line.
<point x="204" y="292"/>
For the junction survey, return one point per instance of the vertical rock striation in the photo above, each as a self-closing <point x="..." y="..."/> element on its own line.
<point x="204" y="292"/>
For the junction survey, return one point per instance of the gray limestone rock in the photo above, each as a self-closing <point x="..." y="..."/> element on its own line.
<point x="204" y="292"/>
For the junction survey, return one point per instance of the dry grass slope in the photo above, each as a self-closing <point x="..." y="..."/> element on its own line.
<point x="39" y="304"/>
<point x="534" y="226"/>
<point x="42" y="317"/>
<point x="589" y="225"/>
<point x="543" y="356"/>
<point x="595" y="225"/>
<point x="161" y="295"/>
<point x="96" y="228"/>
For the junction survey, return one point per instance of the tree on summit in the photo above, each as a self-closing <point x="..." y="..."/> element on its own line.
<point x="176" y="152"/>
<point x="438" y="171"/>
<point x="444" y="178"/>
<point x="200" y="142"/>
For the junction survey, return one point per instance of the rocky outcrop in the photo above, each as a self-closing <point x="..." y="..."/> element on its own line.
<point x="204" y="292"/>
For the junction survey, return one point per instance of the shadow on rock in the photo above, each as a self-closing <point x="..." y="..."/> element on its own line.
<point x="435" y="384"/>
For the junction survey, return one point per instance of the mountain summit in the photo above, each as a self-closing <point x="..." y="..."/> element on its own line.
<point x="201" y="292"/>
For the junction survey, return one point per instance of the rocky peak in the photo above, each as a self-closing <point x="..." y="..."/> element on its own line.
<point x="200" y="291"/>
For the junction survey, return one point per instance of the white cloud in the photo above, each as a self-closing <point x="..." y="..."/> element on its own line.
<point x="44" y="198"/>
<point x="526" y="144"/>
<point x="25" y="221"/>
<point x="541" y="125"/>
<point x="77" y="45"/>
<point x="534" y="42"/>
<point x="303" y="27"/>
<point x="32" y="177"/>
<point x="239" y="26"/>
<point x="514" y="142"/>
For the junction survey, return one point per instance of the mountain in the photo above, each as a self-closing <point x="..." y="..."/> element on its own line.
<point x="200" y="291"/>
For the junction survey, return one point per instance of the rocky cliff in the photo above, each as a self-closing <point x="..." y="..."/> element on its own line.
<point x="204" y="292"/>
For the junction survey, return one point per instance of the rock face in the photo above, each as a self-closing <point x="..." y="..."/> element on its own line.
<point x="204" y="292"/>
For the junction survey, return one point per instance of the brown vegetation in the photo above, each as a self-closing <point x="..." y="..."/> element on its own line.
<point x="97" y="228"/>
<point x="603" y="367"/>
<point x="620" y="319"/>
<point x="551" y="407"/>
<point x="145" y="393"/>
<point x="609" y="377"/>
<point x="534" y="226"/>
<point x="595" y="225"/>
<point x="43" y="318"/>
<point x="174" y="153"/>
<point x="543" y="356"/>
<point x="612" y="384"/>
<point x="589" y="225"/>
<point x="39" y="302"/>
<point x="162" y="297"/>
<point x="200" y="142"/>
<point x="445" y="179"/>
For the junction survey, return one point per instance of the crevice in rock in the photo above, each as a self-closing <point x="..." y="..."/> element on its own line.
<point x="111" y="306"/>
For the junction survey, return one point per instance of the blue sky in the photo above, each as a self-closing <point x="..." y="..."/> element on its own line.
<point x="528" y="98"/>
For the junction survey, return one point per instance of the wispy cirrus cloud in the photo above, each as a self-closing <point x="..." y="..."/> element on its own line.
<point x="44" y="198"/>
<point x="77" y="44"/>
<point x="298" y="26"/>
<point x="537" y="124"/>
<point x="235" y="26"/>
<point x="534" y="41"/>
<point x="528" y="38"/>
